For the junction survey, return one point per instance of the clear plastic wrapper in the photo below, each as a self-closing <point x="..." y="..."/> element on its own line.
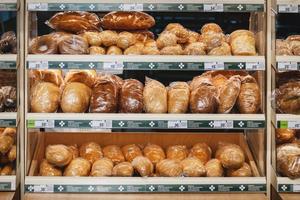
<point x="47" y="169"/>
<point x="214" y="168"/>
<point x="91" y="151"/>
<point x="78" y="167"/>
<point x="201" y="151"/>
<point x="178" y="97"/>
<point x="243" y="43"/>
<point x="45" y="44"/>
<point x="131" y="151"/>
<point x="102" y="167"/>
<point x="87" y="77"/>
<point x="58" y="155"/>
<point x="154" y="153"/>
<point x="131" y="96"/>
<point x="114" y="153"/>
<point x="73" y="45"/>
<point x="244" y="171"/>
<point x="169" y="168"/>
<point x="230" y="155"/>
<point x="288" y="160"/>
<point x="143" y="166"/>
<point x="193" y="167"/>
<point x="177" y="152"/>
<point x="6" y="143"/>
<point x="123" y="169"/>
<point x="8" y="43"/>
<point x="285" y="135"/>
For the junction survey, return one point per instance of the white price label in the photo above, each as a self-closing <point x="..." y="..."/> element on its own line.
<point x="43" y="188"/>
<point x="132" y="7"/>
<point x="101" y="124"/>
<point x="38" y="65"/>
<point x="294" y="124"/>
<point x="177" y="124"/>
<point x="44" y="124"/>
<point x="254" y="66"/>
<point x="223" y="124"/>
<point x="214" y="65"/>
<point x="283" y="66"/>
<point x="38" y="6"/>
<point x="296" y="188"/>
<point x="213" y="7"/>
<point x="288" y="8"/>
<point x="113" y="66"/>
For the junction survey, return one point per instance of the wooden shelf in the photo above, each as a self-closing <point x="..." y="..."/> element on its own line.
<point x="6" y="195"/>
<point x="289" y="196"/>
<point x="285" y="184"/>
<point x="7" y="183"/>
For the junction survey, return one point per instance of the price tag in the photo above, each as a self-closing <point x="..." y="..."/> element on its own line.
<point x="38" y="6"/>
<point x="38" y="65"/>
<point x="254" y="66"/>
<point x="214" y="65"/>
<point x="285" y="66"/>
<point x="132" y="7"/>
<point x="296" y="188"/>
<point x="177" y="124"/>
<point x="43" y="188"/>
<point x="113" y="65"/>
<point x="213" y="7"/>
<point x="294" y="124"/>
<point x="44" y="124"/>
<point x="288" y="8"/>
<point x="223" y="124"/>
<point x="101" y="124"/>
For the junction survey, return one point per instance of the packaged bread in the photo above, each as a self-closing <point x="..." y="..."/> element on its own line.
<point x="92" y="37"/>
<point x="193" y="167"/>
<point x="104" y="96"/>
<point x="287" y="97"/>
<point x="130" y="151"/>
<point x="75" y="98"/>
<point x="75" y="151"/>
<point x="44" y="98"/>
<point x="294" y="44"/>
<point x="78" y="167"/>
<point x="223" y="50"/>
<point x="154" y="152"/>
<point x="131" y="96"/>
<point x="285" y="135"/>
<point x="46" y="75"/>
<point x="94" y="50"/>
<point x="114" y="153"/>
<point x="166" y="39"/>
<point x="201" y="151"/>
<point x="214" y="168"/>
<point x="6" y="143"/>
<point x="44" y="44"/>
<point x="73" y="45"/>
<point x="123" y="169"/>
<point x="155" y="97"/>
<point x="12" y="132"/>
<point x="249" y="99"/>
<point x="85" y="76"/>
<point x="283" y="48"/>
<point x="12" y="153"/>
<point x="230" y="155"/>
<point x="109" y="38"/>
<point x="172" y="50"/>
<point x="288" y="160"/>
<point x="7" y="170"/>
<point x="59" y="35"/>
<point x="196" y="48"/>
<point x="244" y="171"/>
<point x="126" y="39"/>
<point x="181" y="33"/>
<point x="136" y="49"/>
<point x="47" y="169"/>
<point x="102" y="167"/>
<point x="127" y="20"/>
<point x="169" y="168"/>
<point x="177" y="152"/>
<point x="58" y="155"/>
<point x="90" y="151"/>
<point x="143" y="166"/>
<point x="114" y="50"/>
<point x="242" y="43"/>
<point x="229" y="94"/>
<point x="178" y="97"/>
<point x="74" y="21"/>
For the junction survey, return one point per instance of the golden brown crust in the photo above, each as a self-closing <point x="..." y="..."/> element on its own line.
<point x="172" y="50"/>
<point x="7" y="170"/>
<point x="244" y="171"/>
<point x="285" y="135"/>
<point x="201" y="151"/>
<point x="166" y="39"/>
<point x="12" y="132"/>
<point x="136" y="49"/>
<point x="6" y="143"/>
<point x="93" y="50"/>
<point x="43" y="45"/>
<point x="58" y="155"/>
<point x="143" y="166"/>
<point x="288" y="98"/>
<point x="125" y="40"/>
<point x="47" y="169"/>
<point x="243" y="43"/>
<point x="177" y="152"/>
<point x="102" y="167"/>
<point x="114" y="153"/>
<point x="50" y="75"/>
<point x="181" y="33"/>
<point x="193" y="167"/>
<point x="283" y="48"/>
<point x="230" y="155"/>
<point x="108" y="38"/>
<point x="169" y="168"/>
<point x="78" y="167"/>
<point x="12" y="153"/>
<point x="114" y="50"/>
<point x="212" y="40"/>
<point x="178" y="97"/>
<point x="130" y="151"/>
<point x="154" y="152"/>
<point x="90" y="151"/>
<point x="73" y="44"/>
<point x="123" y="169"/>
<point x="75" y="151"/>
<point x="196" y="48"/>
<point x="86" y="77"/>
<point x="288" y="160"/>
<point x="93" y="38"/>
<point x="211" y="27"/>
<point x="214" y="168"/>
<point x="223" y="50"/>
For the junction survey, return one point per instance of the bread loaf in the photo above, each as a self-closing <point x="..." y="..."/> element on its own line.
<point x="94" y="50"/>
<point x="287" y="97"/>
<point x="143" y="166"/>
<point x="78" y="167"/>
<point x="102" y="167"/>
<point x="242" y="43"/>
<point x="178" y="97"/>
<point x="50" y="75"/>
<point x="177" y="152"/>
<point x="201" y="151"/>
<point x="82" y="76"/>
<point x="123" y="169"/>
<point x="244" y="171"/>
<point x="285" y="135"/>
<point x="75" y="151"/>
<point x="195" y="48"/>
<point x="154" y="153"/>
<point x="166" y="39"/>
<point x="294" y="44"/>
<point x="114" y="153"/>
<point x="6" y="143"/>
<point x="169" y="168"/>
<point x="114" y="50"/>
<point x="131" y="96"/>
<point x="283" y="48"/>
<point x="230" y="155"/>
<point x="47" y="169"/>
<point x="90" y="151"/>
<point x="125" y="40"/>
<point x="288" y="160"/>
<point x="109" y="38"/>
<point x="93" y="38"/>
<point x="214" y="168"/>
<point x="223" y="50"/>
<point x="130" y="151"/>
<point x="193" y="167"/>
<point x="58" y="155"/>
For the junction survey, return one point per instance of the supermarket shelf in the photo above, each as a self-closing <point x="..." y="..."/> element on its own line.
<point x="146" y="121"/>
<point x="145" y="62"/>
<point x="289" y="196"/>
<point x="288" y="6"/>
<point x="285" y="184"/>
<point x="288" y="121"/>
<point x="7" y="183"/>
<point x="149" y="5"/>
<point x="8" y="5"/>
<point x="288" y="63"/>
<point x="8" y="119"/>
<point x="8" y="61"/>
<point x="138" y="184"/>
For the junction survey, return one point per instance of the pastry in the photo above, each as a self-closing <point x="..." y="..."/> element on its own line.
<point x="172" y="50"/>
<point x="166" y="39"/>
<point x="58" y="155"/>
<point x="214" y="168"/>
<point x="169" y="168"/>
<point x="73" y="44"/>
<point x="43" y="45"/>
<point x="181" y="33"/>
<point x="12" y="153"/>
<point x="74" y="149"/>
<point x="201" y="151"/>
<point x="78" y="167"/>
<point x="143" y="166"/>
<point x="90" y="151"/>
<point x="7" y="170"/>
<point x="177" y="152"/>
<point x="211" y="27"/>
<point x="230" y="155"/>
<point x="244" y="171"/>
<point x="94" y="50"/>
<point x="47" y="169"/>
<point x="223" y="50"/>
<point x="288" y="97"/>
<point x="127" y="20"/>
<point x="123" y="169"/>
<point x="75" y="98"/>
<point x="130" y="151"/>
<point x="125" y="40"/>
<point x="143" y="35"/>
<point x="114" y="50"/>
<point x="178" y="97"/>
<point x="288" y="160"/>
<point x="154" y="153"/>
<point x="150" y="48"/>
<point x="283" y="48"/>
<point x="212" y="39"/>
<point x="10" y="132"/>
<point x="294" y="44"/>
<point x="82" y="76"/>
<point x="102" y="167"/>
<point x="196" y="48"/>
<point x="242" y="43"/>
<point x="193" y="37"/>
<point x="6" y="143"/>
<point x="136" y="49"/>
<point x="93" y="38"/>
<point x="109" y="38"/>
<point x="192" y="167"/>
<point x="114" y="153"/>
<point x="285" y="135"/>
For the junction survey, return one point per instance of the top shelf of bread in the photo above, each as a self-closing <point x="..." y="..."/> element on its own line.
<point x="8" y="5"/>
<point x="288" y="6"/>
<point x="149" y="5"/>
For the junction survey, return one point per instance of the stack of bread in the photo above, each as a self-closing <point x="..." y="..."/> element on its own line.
<point x="8" y="151"/>
<point x="128" y="33"/>
<point x="150" y="160"/>
<point x="288" y="152"/>
<point x="84" y="91"/>
<point x="288" y="47"/>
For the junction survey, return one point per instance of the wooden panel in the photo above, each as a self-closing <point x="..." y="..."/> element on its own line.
<point x="6" y="195"/>
<point x="290" y="196"/>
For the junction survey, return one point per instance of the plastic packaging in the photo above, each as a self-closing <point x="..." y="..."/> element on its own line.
<point x="58" y="155"/>
<point x="123" y="169"/>
<point x="78" y="167"/>
<point x="288" y="160"/>
<point x="244" y="171"/>
<point x="230" y="155"/>
<point x="50" y="75"/>
<point x="87" y="77"/>
<point x="102" y="167"/>
<point x="178" y="97"/>
<point x="143" y="166"/>
<point x="8" y="43"/>
<point x="201" y="151"/>
<point x="242" y="43"/>
<point x="155" y="97"/>
<point x="91" y="151"/>
<point x="193" y="167"/>
<point x="47" y="169"/>
<point x="6" y="143"/>
<point x="288" y="97"/>
<point x="169" y="168"/>
<point x="285" y="135"/>
<point x="73" y="44"/>
<point x="214" y="168"/>
<point x="131" y="151"/>
<point x="114" y="153"/>
<point x="177" y="152"/>
<point x="131" y="96"/>
<point x="154" y="153"/>
<point x="45" y="44"/>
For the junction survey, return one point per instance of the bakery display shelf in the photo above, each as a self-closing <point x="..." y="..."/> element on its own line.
<point x="288" y="6"/>
<point x="7" y="195"/>
<point x="285" y="184"/>
<point x="288" y="63"/>
<point x="145" y="121"/>
<point x="149" y="5"/>
<point x="289" y="196"/>
<point x="8" y="119"/>
<point x="144" y="62"/>
<point x="8" y="61"/>
<point x="7" y="183"/>
<point x="8" y="5"/>
<point x="288" y="121"/>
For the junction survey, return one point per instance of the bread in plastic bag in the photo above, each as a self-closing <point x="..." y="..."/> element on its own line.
<point x="47" y="169"/>
<point x="214" y="168"/>
<point x="78" y="167"/>
<point x="169" y="168"/>
<point x="123" y="169"/>
<point x="102" y="167"/>
<point x="231" y="155"/>
<point x="177" y="152"/>
<point x="131" y="96"/>
<point x="288" y="160"/>
<point x="46" y="75"/>
<point x="143" y="166"/>
<point x="45" y="44"/>
<point x="73" y="45"/>
<point x="243" y="43"/>
<point x="130" y="151"/>
<point x="6" y="143"/>
<point x="178" y="97"/>
<point x="86" y="76"/>
<point x="192" y="167"/>
<point x="91" y="151"/>
<point x="244" y="171"/>
<point x="154" y="152"/>
<point x="155" y="97"/>
<point x="285" y="135"/>
<point x="201" y="151"/>
<point x="59" y="155"/>
<point x="114" y="153"/>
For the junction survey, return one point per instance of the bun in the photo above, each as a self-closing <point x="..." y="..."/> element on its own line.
<point x="131" y="151"/>
<point x="193" y="37"/>
<point x="181" y="33"/>
<point x="73" y="44"/>
<point x="193" y="167"/>
<point x="123" y="169"/>
<point x="242" y="43"/>
<point x="223" y="50"/>
<point x="93" y="50"/>
<point x="7" y="170"/>
<point x="294" y="44"/>
<point x="114" y="153"/>
<point x="75" y="98"/>
<point x="214" y="168"/>
<point x="211" y="27"/>
<point x="93" y="38"/>
<point x="131" y="96"/>
<point x="90" y="151"/>
<point x="43" y="45"/>
<point x="166" y="39"/>
<point x="230" y="155"/>
<point x="244" y="171"/>
<point x="288" y="160"/>
<point x="47" y="169"/>
<point x="154" y="152"/>
<point x="78" y="167"/>
<point x="102" y="167"/>
<point x="58" y="155"/>
<point x="177" y="152"/>
<point x="12" y="153"/>
<point x="212" y="39"/>
<point x="50" y="75"/>
<point x="172" y="50"/>
<point x="125" y="40"/>
<point x="114" y="50"/>
<point x="150" y="48"/>
<point x="143" y="166"/>
<point x="75" y="151"/>
<point x="86" y="77"/>
<point x="283" y="48"/>
<point x="109" y="38"/>
<point x="136" y="49"/>
<point x="178" y="97"/>
<point x="6" y="143"/>
<point x="196" y="48"/>
<point x="169" y="168"/>
<point x="123" y="20"/>
<point x="143" y="35"/>
<point x="285" y="135"/>
<point x="201" y="151"/>
<point x="12" y="132"/>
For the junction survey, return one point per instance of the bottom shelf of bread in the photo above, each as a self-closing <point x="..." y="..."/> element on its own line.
<point x="233" y="149"/>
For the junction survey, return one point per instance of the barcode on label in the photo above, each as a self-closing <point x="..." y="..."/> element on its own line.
<point x="296" y="188"/>
<point x="214" y="7"/>
<point x="44" y="124"/>
<point x="282" y="66"/>
<point x="38" y="6"/>
<point x="289" y="8"/>
<point x="214" y="65"/>
<point x="132" y="7"/>
<point x="101" y="124"/>
<point x="43" y="188"/>
<point x="177" y="124"/>
<point x="254" y="66"/>
<point x="223" y="124"/>
<point x="294" y="124"/>
<point x="38" y="65"/>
